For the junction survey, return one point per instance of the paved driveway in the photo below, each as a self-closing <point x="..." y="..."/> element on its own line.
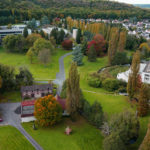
<point x="11" y="118"/>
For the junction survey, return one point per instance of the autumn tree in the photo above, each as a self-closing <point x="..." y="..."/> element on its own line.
<point x="73" y="91"/>
<point x="133" y="76"/>
<point x="41" y="44"/>
<point x="44" y="56"/>
<point x="113" y="43"/>
<point x="30" y="54"/>
<point x="92" y="54"/>
<point x="32" y="38"/>
<point x="99" y="44"/>
<point x="143" y="101"/>
<point x="47" y="111"/>
<point x="146" y="142"/>
<point x="122" y="41"/>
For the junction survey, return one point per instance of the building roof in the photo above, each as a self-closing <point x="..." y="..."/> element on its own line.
<point x="28" y="103"/>
<point x="37" y="87"/>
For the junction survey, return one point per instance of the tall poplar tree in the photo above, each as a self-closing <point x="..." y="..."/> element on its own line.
<point x="122" y="41"/>
<point x="73" y="91"/>
<point x="143" y="101"/>
<point x="113" y="43"/>
<point x="132" y="87"/>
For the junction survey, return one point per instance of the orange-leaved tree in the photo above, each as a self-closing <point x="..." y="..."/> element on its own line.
<point x="47" y="111"/>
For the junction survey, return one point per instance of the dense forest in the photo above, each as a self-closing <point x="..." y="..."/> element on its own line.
<point x="14" y="11"/>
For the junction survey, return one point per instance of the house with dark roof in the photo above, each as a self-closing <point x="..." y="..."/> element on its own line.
<point x="36" y="91"/>
<point x="29" y="96"/>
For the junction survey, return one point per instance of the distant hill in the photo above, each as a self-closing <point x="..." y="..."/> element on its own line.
<point x="143" y="5"/>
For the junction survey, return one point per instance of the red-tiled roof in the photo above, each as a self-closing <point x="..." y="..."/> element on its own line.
<point x="61" y="101"/>
<point x="28" y="103"/>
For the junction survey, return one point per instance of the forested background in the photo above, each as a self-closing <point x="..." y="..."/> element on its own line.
<point x="14" y="11"/>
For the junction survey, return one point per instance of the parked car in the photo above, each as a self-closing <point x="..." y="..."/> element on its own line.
<point x="1" y="120"/>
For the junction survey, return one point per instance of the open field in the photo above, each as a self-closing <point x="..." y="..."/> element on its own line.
<point x="84" y="136"/>
<point x="39" y="71"/>
<point x="12" y="139"/>
<point x="110" y="103"/>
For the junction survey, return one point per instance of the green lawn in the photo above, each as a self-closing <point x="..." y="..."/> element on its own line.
<point x="110" y="103"/>
<point x="13" y="96"/>
<point x="12" y="139"/>
<point x="84" y="136"/>
<point x="39" y="71"/>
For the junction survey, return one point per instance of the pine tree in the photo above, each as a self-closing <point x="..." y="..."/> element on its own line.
<point x="84" y="46"/>
<point x="73" y="91"/>
<point x="77" y="55"/>
<point x="132" y="87"/>
<point x="78" y="38"/>
<point x="143" y="101"/>
<point x="92" y="54"/>
<point x="42" y="33"/>
<point x="113" y="42"/>
<point x="25" y="32"/>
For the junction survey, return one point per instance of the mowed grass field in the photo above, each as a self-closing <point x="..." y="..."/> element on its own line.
<point x="12" y="139"/>
<point x="83" y="137"/>
<point x="39" y="71"/>
<point x="111" y="103"/>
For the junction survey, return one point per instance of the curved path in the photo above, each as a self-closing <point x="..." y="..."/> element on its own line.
<point x="60" y="77"/>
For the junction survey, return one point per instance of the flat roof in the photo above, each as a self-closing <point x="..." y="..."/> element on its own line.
<point x="28" y="103"/>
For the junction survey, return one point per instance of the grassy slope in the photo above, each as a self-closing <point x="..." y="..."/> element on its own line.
<point x="111" y="104"/>
<point x="38" y="70"/>
<point x="84" y="136"/>
<point x="12" y="139"/>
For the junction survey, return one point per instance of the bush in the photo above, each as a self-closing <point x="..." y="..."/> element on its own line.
<point x="93" y="114"/>
<point x="113" y="142"/>
<point x="96" y="116"/>
<point x="110" y="84"/>
<point x="120" y="58"/>
<point x="94" y="80"/>
<point x="67" y="44"/>
<point x="47" y="111"/>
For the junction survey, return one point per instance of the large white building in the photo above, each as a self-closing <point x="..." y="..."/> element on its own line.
<point x="144" y="72"/>
<point x="15" y="30"/>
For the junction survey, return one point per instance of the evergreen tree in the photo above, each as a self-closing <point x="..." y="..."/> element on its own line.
<point x="77" y="55"/>
<point x="132" y="87"/>
<point x="143" y="101"/>
<point x="78" y="38"/>
<point x="84" y="46"/>
<point x="1" y="81"/>
<point x="73" y="91"/>
<point x="92" y="54"/>
<point x="25" y="32"/>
